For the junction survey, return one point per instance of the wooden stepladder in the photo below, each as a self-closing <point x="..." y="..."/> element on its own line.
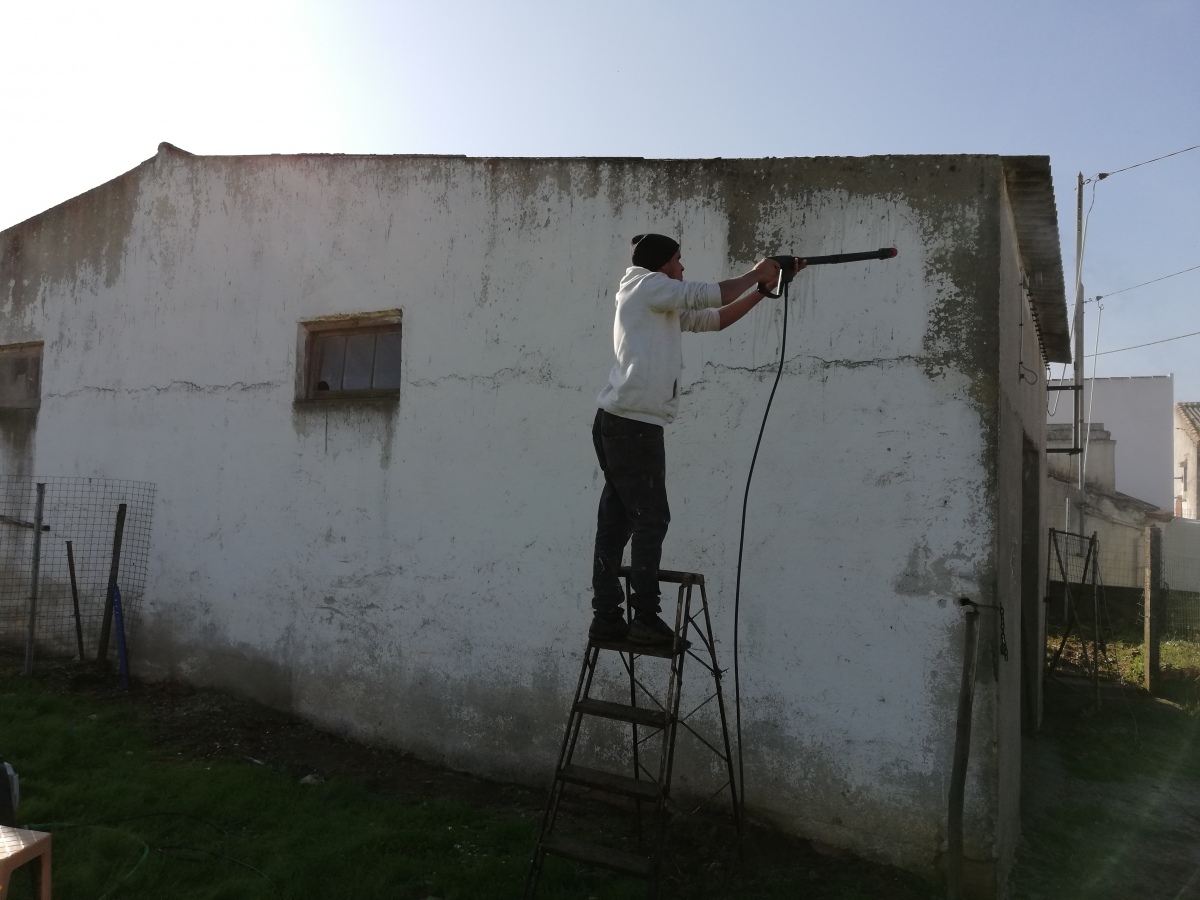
<point x="648" y="716"/>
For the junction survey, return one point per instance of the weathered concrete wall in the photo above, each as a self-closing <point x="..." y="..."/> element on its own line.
<point x="1013" y="684"/>
<point x="417" y="572"/>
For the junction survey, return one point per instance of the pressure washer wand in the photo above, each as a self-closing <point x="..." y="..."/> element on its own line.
<point x="786" y="262"/>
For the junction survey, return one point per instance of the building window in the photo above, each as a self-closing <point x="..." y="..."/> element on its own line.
<point x="352" y="357"/>
<point x="21" y="376"/>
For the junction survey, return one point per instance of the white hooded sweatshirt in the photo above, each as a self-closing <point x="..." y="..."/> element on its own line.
<point x="652" y="311"/>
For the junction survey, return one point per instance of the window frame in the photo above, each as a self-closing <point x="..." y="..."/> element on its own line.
<point x="384" y="321"/>
<point x="31" y="350"/>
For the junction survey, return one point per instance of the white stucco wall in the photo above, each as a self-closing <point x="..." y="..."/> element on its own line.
<point x="419" y="573"/>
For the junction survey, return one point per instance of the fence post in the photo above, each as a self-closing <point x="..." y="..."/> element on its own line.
<point x="75" y="600"/>
<point x="102" y="653"/>
<point x="35" y="577"/>
<point x="1153" y="595"/>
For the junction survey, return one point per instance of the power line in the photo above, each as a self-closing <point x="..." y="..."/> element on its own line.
<point x="1150" y="344"/>
<point x="1144" y="283"/>
<point x="1104" y="175"/>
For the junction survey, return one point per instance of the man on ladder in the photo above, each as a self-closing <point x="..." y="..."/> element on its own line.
<point x="654" y="305"/>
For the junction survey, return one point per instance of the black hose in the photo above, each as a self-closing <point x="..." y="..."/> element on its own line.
<point x="785" y="280"/>
<point x="737" y="589"/>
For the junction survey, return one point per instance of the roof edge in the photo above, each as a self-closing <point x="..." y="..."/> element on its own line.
<point x="1031" y="195"/>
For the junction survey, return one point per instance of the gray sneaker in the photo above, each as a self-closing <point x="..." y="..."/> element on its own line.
<point x="653" y="630"/>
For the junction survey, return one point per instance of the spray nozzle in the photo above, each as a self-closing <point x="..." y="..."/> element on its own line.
<point x="787" y="263"/>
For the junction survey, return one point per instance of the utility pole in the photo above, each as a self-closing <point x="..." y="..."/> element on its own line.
<point x="1078" y="429"/>
<point x="1076" y="385"/>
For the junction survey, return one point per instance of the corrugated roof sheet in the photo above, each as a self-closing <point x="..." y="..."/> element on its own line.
<point x="1031" y="193"/>
<point x="1190" y="413"/>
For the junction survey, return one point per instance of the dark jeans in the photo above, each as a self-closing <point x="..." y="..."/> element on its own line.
<point x="633" y="504"/>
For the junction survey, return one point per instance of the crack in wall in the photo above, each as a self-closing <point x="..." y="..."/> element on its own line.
<point x="794" y="366"/>
<point x="859" y="363"/>
<point x="541" y="375"/>
<point x="183" y="386"/>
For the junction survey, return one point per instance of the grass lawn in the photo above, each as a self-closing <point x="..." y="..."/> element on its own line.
<point x="131" y="819"/>
<point x="142" y="808"/>
<point x="1111" y="806"/>
<point x="1123" y="661"/>
<point x="167" y="792"/>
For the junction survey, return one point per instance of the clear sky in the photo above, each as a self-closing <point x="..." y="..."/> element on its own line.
<point x="90" y="89"/>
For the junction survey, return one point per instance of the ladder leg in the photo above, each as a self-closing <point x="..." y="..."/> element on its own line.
<point x="637" y="765"/>
<point x="535" y="871"/>
<point x="566" y="751"/>
<point x="648" y="791"/>
<point x="667" y="757"/>
<point x="734" y="788"/>
<point x="637" y="770"/>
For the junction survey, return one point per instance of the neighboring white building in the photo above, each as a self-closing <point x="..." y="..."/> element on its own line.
<point x="1138" y="412"/>
<point x="1117" y="520"/>
<point x="1187" y="460"/>
<point x="411" y="563"/>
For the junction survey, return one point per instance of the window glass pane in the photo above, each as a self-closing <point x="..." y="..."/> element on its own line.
<point x="360" y="360"/>
<point x="387" y="360"/>
<point x="331" y="354"/>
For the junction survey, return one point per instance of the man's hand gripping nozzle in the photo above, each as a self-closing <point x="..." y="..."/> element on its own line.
<point x="788" y="264"/>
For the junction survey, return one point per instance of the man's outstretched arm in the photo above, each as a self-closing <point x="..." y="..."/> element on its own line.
<point x="736" y="305"/>
<point x="731" y="312"/>
<point x="766" y="271"/>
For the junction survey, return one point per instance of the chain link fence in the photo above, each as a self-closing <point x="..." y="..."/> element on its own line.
<point x="1075" y="616"/>
<point x="1181" y="579"/>
<point x="81" y="513"/>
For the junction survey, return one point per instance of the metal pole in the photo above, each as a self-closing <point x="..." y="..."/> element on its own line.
<point x="1079" y="437"/>
<point x="75" y="599"/>
<point x="1096" y="639"/>
<point x="102" y="655"/>
<point x="33" y="587"/>
<point x="962" y="749"/>
<point x="1153" y="593"/>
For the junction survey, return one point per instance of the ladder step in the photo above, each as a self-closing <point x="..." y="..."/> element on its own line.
<point x="662" y="651"/>
<point x="638" y="715"/>
<point x="669" y="576"/>
<point x="596" y="855"/>
<point x="638" y="788"/>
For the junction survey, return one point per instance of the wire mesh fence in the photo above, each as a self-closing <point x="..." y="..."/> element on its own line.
<point x="1075" y="617"/>
<point x="1181" y="579"/>
<point x="79" y="519"/>
<point x="1121" y="577"/>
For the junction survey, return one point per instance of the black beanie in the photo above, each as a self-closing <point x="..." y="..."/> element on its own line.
<point x="653" y="251"/>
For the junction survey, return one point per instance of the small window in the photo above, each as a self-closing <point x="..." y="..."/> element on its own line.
<point x="21" y="376"/>
<point x="352" y="357"/>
